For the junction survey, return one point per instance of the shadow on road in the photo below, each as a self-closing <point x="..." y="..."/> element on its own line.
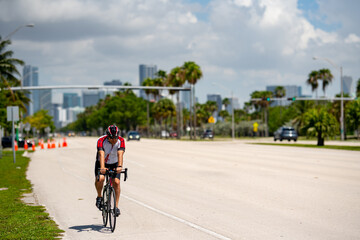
<point x="88" y="228"/>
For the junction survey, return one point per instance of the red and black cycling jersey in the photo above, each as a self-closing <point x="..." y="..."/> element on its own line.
<point x="110" y="150"/>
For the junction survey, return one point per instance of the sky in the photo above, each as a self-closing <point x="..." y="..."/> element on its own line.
<point x="241" y="45"/>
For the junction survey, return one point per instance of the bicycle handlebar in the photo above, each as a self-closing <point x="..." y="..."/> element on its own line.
<point x="111" y="172"/>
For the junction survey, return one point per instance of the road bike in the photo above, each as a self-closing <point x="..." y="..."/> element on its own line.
<point x="108" y="204"/>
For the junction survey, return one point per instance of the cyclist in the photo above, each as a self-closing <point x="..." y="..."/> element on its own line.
<point x="110" y="151"/>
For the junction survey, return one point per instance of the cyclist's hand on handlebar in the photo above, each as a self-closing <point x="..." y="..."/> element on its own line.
<point x="103" y="170"/>
<point x="118" y="169"/>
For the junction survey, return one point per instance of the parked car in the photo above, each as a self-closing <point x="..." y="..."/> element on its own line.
<point x="173" y="134"/>
<point x="208" y="134"/>
<point x="6" y="142"/>
<point x="165" y="134"/>
<point x="288" y="133"/>
<point x="133" y="135"/>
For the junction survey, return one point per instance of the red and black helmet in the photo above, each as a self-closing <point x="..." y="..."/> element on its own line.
<point x="112" y="131"/>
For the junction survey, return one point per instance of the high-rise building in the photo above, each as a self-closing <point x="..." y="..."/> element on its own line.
<point x="45" y="100"/>
<point x="290" y="92"/>
<point x="146" y="71"/>
<point x="185" y="97"/>
<point x="91" y="98"/>
<point x="31" y="78"/>
<point x="236" y="105"/>
<point x="71" y="100"/>
<point x="114" y="82"/>
<point x="347" y="85"/>
<point x="215" y="98"/>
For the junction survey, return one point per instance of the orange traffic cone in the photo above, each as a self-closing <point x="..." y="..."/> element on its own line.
<point x="33" y="145"/>
<point x="16" y="145"/>
<point x="64" y="142"/>
<point x="25" y="145"/>
<point x="59" y="145"/>
<point x="48" y="144"/>
<point x="53" y="144"/>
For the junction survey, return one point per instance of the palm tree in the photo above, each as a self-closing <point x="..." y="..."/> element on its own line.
<point x="313" y="81"/>
<point x="280" y="92"/>
<point x="353" y="116"/>
<point x="148" y="82"/>
<point x="226" y="102"/>
<point x="176" y="79"/>
<point x="163" y="109"/>
<point x="264" y="104"/>
<point x="320" y="123"/>
<point x="301" y="107"/>
<point x="192" y="74"/>
<point x="8" y="77"/>
<point x="326" y="76"/>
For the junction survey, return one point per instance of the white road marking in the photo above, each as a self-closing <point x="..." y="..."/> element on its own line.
<point x="193" y="225"/>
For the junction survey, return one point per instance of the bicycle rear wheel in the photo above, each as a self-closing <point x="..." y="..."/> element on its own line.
<point x="105" y="206"/>
<point x="112" y="209"/>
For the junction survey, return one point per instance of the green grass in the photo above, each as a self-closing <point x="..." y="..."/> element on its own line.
<point x="352" y="148"/>
<point x="18" y="220"/>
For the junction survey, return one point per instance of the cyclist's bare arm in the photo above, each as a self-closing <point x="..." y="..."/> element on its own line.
<point x="120" y="155"/>
<point x="102" y="161"/>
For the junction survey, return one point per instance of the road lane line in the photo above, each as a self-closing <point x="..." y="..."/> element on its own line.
<point x="193" y="225"/>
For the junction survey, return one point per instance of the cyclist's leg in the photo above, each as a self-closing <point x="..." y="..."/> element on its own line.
<point x="99" y="180"/>
<point x="116" y="185"/>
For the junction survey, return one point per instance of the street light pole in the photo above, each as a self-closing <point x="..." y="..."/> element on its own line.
<point x="17" y="29"/>
<point x="342" y="133"/>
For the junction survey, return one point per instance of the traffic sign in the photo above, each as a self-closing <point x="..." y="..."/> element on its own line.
<point x="12" y="113"/>
<point x="211" y="119"/>
<point x="255" y="126"/>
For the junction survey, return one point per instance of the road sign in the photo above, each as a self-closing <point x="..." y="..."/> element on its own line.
<point x="27" y="127"/>
<point x="211" y="119"/>
<point x="255" y="126"/>
<point x="12" y="113"/>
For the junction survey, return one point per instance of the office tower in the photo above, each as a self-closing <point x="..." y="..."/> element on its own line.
<point x="31" y="78"/>
<point x="185" y="97"/>
<point x="114" y="82"/>
<point x="236" y="105"/>
<point x="146" y="71"/>
<point x="71" y="100"/>
<point x="45" y="96"/>
<point x="215" y="98"/>
<point x="290" y="92"/>
<point x="347" y="85"/>
<point x="91" y="98"/>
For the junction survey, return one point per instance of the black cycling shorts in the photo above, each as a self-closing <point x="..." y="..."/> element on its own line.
<point x="109" y="166"/>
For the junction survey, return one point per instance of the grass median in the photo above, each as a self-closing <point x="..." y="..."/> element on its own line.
<point x="17" y="219"/>
<point x="339" y="147"/>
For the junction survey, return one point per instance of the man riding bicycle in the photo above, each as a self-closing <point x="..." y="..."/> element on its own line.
<point x="110" y="151"/>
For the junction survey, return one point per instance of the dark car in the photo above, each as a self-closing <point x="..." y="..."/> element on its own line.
<point x="288" y="133"/>
<point x="208" y="134"/>
<point x="6" y="142"/>
<point x="133" y="135"/>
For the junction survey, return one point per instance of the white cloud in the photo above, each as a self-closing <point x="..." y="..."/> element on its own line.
<point x="352" y="38"/>
<point x="243" y="44"/>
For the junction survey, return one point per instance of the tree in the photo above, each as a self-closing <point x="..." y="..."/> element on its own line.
<point x="326" y="76"/>
<point x="40" y="120"/>
<point x="313" y="80"/>
<point x="148" y="82"/>
<point x="301" y="107"/>
<point x="164" y="109"/>
<point x="264" y="104"/>
<point x="320" y="123"/>
<point x="353" y="116"/>
<point x="192" y="74"/>
<point x="9" y="78"/>
<point x="358" y="88"/>
<point x="280" y="92"/>
<point x="176" y="79"/>
<point x="226" y="102"/>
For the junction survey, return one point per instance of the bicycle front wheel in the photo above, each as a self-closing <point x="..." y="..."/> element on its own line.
<point x="104" y="203"/>
<point x="112" y="209"/>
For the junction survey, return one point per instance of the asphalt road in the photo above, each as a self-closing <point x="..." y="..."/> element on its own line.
<point x="205" y="190"/>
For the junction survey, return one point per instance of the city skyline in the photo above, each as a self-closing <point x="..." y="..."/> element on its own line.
<point x="242" y="45"/>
